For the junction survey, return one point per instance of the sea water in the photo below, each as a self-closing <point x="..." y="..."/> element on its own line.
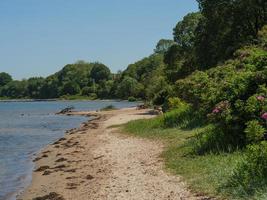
<point x="26" y="128"/>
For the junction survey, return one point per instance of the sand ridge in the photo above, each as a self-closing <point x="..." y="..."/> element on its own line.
<point x="96" y="161"/>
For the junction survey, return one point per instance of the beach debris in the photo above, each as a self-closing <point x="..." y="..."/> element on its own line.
<point x="61" y="160"/>
<point x="71" y="177"/>
<point x="50" y="196"/>
<point x="42" y="168"/>
<point x="89" y="177"/>
<point x="66" y="110"/>
<point x="36" y="159"/>
<point x="60" y="167"/>
<point x="141" y="107"/>
<point x="98" y="157"/>
<point x="46" y="172"/>
<point x="71" y="170"/>
<point x="71" y="186"/>
<point x="62" y="139"/>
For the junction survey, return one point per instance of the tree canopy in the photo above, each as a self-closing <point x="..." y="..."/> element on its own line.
<point x="5" y="78"/>
<point x="100" y="72"/>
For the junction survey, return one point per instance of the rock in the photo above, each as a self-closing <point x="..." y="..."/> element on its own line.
<point x="66" y="110"/>
<point x="42" y="168"/>
<point x="47" y="172"/>
<point x="50" y="196"/>
<point x="89" y="177"/>
<point x="61" y="160"/>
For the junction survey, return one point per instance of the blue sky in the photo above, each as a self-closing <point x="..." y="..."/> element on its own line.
<point x="38" y="37"/>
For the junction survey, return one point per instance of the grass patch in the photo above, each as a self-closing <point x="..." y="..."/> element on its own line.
<point x="207" y="173"/>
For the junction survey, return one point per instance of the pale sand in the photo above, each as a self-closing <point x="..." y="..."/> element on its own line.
<point x="97" y="162"/>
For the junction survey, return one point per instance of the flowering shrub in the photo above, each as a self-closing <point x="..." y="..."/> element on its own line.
<point x="221" y="114"/>
<point x="231" y="96"/>
<point x="260" y="98"/>
<point x="264" y="116"/>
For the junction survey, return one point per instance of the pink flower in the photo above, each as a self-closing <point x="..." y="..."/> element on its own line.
<point x="215" y="110"/>
<point x="264" y="116"/>
<point x="260" y="98"/>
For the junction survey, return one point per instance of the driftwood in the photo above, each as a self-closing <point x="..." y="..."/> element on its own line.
<point x="66" y="110"/>
<point x="141" y="107"/>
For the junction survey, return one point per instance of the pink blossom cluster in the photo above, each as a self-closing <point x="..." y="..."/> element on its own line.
<point x="260" y="98"/>
<point x="264" y="116"/>
<point x="216" y="110"/>
<point x="224" y="105"/>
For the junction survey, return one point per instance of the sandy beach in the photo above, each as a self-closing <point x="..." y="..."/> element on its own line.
<point x="96" y="161"/>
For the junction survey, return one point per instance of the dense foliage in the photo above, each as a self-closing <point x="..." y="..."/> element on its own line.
<point x="81" y="78"/>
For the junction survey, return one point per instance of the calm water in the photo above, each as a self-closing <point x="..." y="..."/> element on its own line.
<point x="25" y="128"/>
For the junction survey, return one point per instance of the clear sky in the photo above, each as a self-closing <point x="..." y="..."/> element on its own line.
<point x="38" y="37"/>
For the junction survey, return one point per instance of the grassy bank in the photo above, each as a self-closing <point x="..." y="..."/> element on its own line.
<point x="205" y="174"/>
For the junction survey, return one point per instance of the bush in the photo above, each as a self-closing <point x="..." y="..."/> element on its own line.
<point x="174" y="103"/>
<point x="179" y="117"/>
<point x="70" y="88"/>
<point x="250" y="175"/>
<point x="254" y="131"/>
<point x="93" y="96"/>
<point x="87" y="91"/>
<point x="212" y="140"/>
<point x="132" y="99"/>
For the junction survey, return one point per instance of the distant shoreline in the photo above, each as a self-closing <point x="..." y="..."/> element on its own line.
<point x="54" y="100"/>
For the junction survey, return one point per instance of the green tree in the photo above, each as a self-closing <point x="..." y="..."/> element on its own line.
<point x="5" y="78"/>
<point x="70" y="88"/>
<point x="163" y="45"/>
<point x="180" y="59"/>
<point x="174" y="63"/>
<point x="50" y="88"/>
<point x="100" y="72"/>
<point x="78" y="72"/>
<point x="158" y="90"/>
<point x="87" y="91"/>
<point x="104" y="89"/>
<point x="226" y="26"/>
<point x="15" y="89"/>
<point x="184" y="32"/>
<point x="129" y="87"/>
<point x="34" y="86"/>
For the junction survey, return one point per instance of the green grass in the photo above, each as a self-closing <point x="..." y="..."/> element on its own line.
<point x="206" y="174"/>
<point x="4" y="98"/>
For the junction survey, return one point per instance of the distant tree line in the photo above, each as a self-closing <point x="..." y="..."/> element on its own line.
<point x="201" y="41"/>
<point x="81" y="78"/>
